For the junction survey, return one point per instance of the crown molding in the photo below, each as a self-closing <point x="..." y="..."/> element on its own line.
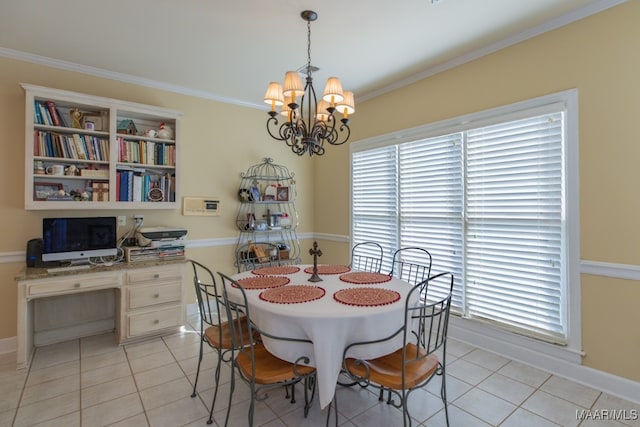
<point x="121" y="77"/>
<point x="547" y="26"/>
<point x="550" y="25"/>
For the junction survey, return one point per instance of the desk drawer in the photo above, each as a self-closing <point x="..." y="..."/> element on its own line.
<point x="155" y="274"/>
<point x="156" y="320"/>
<point x="73" y="283"/>
<point x="144" y="296"/>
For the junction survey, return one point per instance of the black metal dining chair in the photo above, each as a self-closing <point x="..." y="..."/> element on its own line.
<point x="367" y="256"/>
<point x="411" y="264"/>
<point x="254" y="364"/>
<point x="214" y="329"/>
<point x="411" y="367"/>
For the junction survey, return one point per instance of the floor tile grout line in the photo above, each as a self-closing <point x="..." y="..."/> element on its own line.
<point x="135" y="382"/>
<point x="174" y="350"/>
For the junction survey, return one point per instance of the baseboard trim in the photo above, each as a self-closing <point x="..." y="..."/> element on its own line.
<point x="8" y="345"/>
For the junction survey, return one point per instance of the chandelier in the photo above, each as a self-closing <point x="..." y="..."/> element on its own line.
<point x="308" y="124"/>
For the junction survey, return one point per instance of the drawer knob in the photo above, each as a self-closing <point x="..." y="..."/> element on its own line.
<point x="76" y="285"/>
<point x="155" y="322"/>
<point x="156" y="295"/>
<point x="156" y="276"/>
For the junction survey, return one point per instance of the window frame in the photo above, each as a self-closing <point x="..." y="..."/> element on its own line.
<point x="482" y="333"/>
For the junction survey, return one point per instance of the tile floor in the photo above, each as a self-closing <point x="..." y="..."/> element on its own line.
<point x="93" y="382"/>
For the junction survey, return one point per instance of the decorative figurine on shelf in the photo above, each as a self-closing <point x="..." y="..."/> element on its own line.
<point x="165" y="131"/>
<point x="127" y="126"/>
<point x="316" y="253"/>
<point x="76" y="118"/>
<point x="38" y="167"/>
<point x="71" y="170"/>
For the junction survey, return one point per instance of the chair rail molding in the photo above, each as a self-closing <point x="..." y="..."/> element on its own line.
<point x="20" y="256"/>
<point x="608" y="269"/>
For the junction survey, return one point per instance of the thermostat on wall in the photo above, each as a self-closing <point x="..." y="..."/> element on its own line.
<point x="202" y="206"/>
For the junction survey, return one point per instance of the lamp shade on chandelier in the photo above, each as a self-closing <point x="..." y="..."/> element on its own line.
<point x="306" y="123"/>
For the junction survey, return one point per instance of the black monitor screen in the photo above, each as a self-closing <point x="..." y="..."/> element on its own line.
<point x="73" y="238"/>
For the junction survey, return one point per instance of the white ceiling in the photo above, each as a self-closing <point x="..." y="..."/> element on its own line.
<point x="229" y="50"/>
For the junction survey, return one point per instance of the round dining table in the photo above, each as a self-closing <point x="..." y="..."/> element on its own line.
<point x="344" y="307"/>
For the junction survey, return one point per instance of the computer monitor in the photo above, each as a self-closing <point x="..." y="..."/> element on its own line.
<point x="78" y="239"/>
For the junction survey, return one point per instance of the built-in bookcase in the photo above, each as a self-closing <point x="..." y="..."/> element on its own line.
<point x="88" y="152"/>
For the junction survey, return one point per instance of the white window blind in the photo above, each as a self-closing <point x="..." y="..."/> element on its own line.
<point x="488" y="203"/>
<point x="374" y="199"/>
<point x="514" y="224"/>
<point x="430" y="188"/>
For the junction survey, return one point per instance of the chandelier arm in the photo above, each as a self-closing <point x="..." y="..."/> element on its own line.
<point x="273" y="121"/>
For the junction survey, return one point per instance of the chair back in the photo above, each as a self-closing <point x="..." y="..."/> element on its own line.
<point x="253" y="255"/>
<point x="427" y="321"/>
<point x="411" y="264"/>
<point x="367" y="256"/>
<point x="207" y="295"/>
<point x="237" y="309"/>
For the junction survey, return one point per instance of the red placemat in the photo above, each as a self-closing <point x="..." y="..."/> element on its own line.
<point x="263" y="282"/>
<point x="329" y="269"/>
<point x="366" y="297"/>
<point x="282" y="269"/>
<point x="364" y="278"/>
<point x="292" y="294"/>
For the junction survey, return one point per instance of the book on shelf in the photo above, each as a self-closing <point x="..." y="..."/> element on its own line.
<point x="146" y="152"/>
<point x="37" y="115"/>
<point x="124" y="186"/>
<point x="79" y="148"/>
<point x="53" y="112"/>
<point x="130" y="185"/>
<point x="137" y="188"/>
<point x="44" y="114"/>
<point x="118" y="178"/>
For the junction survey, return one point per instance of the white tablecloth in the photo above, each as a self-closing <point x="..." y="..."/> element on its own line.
<point x="329" y="324"/>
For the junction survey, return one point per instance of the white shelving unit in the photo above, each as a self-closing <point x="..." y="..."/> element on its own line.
<point x="96" y="165"/>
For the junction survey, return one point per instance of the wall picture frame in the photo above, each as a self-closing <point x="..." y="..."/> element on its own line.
<point x="43" y="190"/>
<point x="282" y="194"/>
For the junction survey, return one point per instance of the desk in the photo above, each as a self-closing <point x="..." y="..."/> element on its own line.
<point x="329" y="324"/>
<point x="148" y="299"/>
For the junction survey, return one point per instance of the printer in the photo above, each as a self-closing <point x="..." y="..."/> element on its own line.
<point x="161" y="236"/>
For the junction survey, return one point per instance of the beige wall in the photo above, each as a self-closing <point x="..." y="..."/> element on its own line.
<point x="598" y="56"/>
<point x="219" y="141"/>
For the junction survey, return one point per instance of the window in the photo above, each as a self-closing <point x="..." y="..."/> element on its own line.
<point x="488" y="195"/>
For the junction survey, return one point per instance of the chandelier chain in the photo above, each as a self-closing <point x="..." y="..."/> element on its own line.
<point x="308" y="48"/>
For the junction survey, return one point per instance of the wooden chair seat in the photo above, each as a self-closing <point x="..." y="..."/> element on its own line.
<point x="212" y="334"/>
<point x="387" y="370"/>
<point x="269" y="369"/>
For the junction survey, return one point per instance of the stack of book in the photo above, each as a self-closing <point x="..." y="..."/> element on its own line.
<point x="164" y="253"/>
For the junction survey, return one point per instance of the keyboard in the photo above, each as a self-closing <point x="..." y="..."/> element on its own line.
<point x="69" y="268"/>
